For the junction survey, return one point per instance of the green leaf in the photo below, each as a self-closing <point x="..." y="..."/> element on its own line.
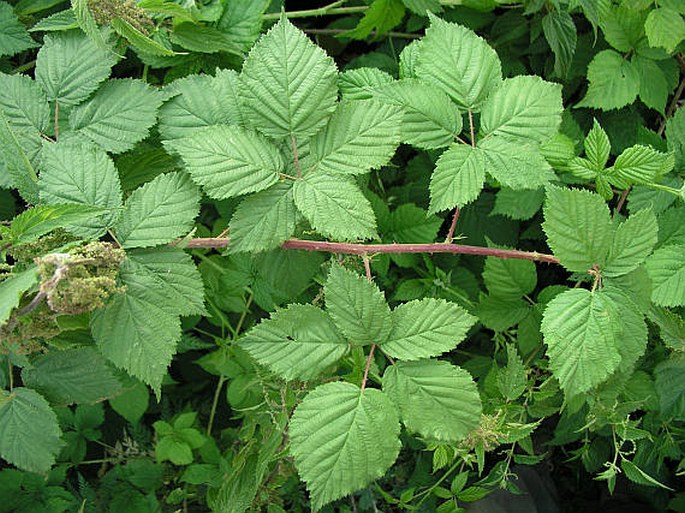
<point x="230" y="161"/>
<point x="582" y="331"/>
<point x="133" y="403"/>
<point x="675" y="133"/>
<point x="430" y="120"/>
<point x="289" y="84"/>
<point x="78" y="375"/>
<point x="409" y="223"/>
<point x="70" y="67"/>
<point x="242" y="21"/>
<point x="58" y="22"/>
<point x="82" y="174"/>
<point x="14" y="37"/>
<point x="561" y="34"/>
<point x="459" y="62"/>
<point x="24" y="105"/>
<point x="515" y="165"/>
<point x="637" y="165"/>
<point x="597" y="147"/>
<point x="578" y="228"/>
<point x="200" y="101"/>
<point x="670" y="387"/>
<point x="362" y="83"/>
<point x="614" y="82"/>
<point x="299" y="342"/>
<point x="263" y="221"/>
<point x="523" y="109"/>
<point x="512" y="380"/>
<point x="87" y="23"/>
<point x="37" y="221"/>
<point x="458" y="178"/>
<point x="639" y="476"/>
<point x="168" y="7"/>
<point x="357" y="307"/>
<point x="12" y="289"/>
<point x="436" y="399"/>
<point x="30" y="437"/>
<point x="138" y="39"/>
<point x="654" y="88"/>
<point x="665" y="28"/>
<point x="380" y="17"/>
<point x="671" y="327"/>
<point x="425" y="328"/>
<point x="499" y="314"/>
<point x="343" y="438"/>
<point x="119" y="115"/>
<point x="520" y="205"/>
<point x="508" y="278"/>
<point x="666" y="267"/>
<point x="335" y="207"/>
<point x="632" y="243"/>
<point x="203" y="39"/>
<point x="672" y="227"/>
<point x="17" y="165"/>
<point x="421" y="6"/>
<point x="158" y="212"/>
<point x="623" y="27"/>
<point x="633" y="341"/>
<point x="360" y="136"/>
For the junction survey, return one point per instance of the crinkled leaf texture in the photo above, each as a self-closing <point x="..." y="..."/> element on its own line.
<point x="515" y="165"/>
<point x="436" y="399"/>
<point x="632" y="243"/>
<point x="458" y="178"/>
<point x="30" y="437"/>
<point x="343" y="438"/>
<point x="13" y="35"/>
<point x="297" y="343"/>
<point x="666" y="268"/>
<point x="614" y="82"/>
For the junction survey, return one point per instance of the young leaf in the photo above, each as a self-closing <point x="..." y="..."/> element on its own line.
<point x="343" y="438"/>
<point x="335" y="207"/>
<point x="637" y="165"/>
<point x="665" y="28"/>
<point x="13" y="35"/>
<point x="37" y="221"/>
<point x="459" y="62"/>
<point x="578" y="228"/>
<point x="299" y="342"/>
<point x="582" y="331"/>
<point x="666" y="267"/>
<point x="631" y="244"/>
<point x="436" y="399"/>
<point x="515" y="165"/>
<point x="425" y="328"/>
<point x="229" y="161"/>
<point x="288" y="84"/>
<point x="458" y="178"/>
<point x="119" y="115"/>
<point x="597" y="147"/>
<point x="12" y="289"/>
<point x="614" y="82"/>
<point x="511" y="380"/>
<point x="357" y="307"/>
<point x="523" y="109"/>
<point x="30" y="437"/>
<point x="158" y="212"/>
<point x="360" y="136"/>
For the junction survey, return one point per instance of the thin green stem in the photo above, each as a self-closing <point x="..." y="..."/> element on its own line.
<point x="10" y="373"/>
<point x="215" y="403"/>
<point x="664" y="188"/>
<point x="368" y="366"/>
<point x="472" y="129"/>
<point x="327" y="10"/>
<point x="24" y="67"/>
<point x="426" y="493"/>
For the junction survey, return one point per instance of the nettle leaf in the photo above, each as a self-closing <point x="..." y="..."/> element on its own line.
<point x="230" y="161"/>
<point x="158" y="212"/>
<point x="436" y="399"/>
<point x="508" y="278"/>
<point x="459" y="62"/>
<point x="14" y="37"/>
<point x="430" y="120"/>
<point x="200" y="101"/>
<point x="523" y="109"/>
<point x="458" y="178"/>
<point x="335" y="206"/>
<point x="342" y="438"/>
<point x="665" y="28"/>
<point x="24" y="104"/>
<point x="511" y="380"/>
<point x="70" y="67"/>
<point x="578" y="228"/>
<point x="360" y="136"/>
<point x="637" y="165"/>
<point x="12" y="289"/>
<point x="357" y="307"/>
<point x="73" y="172"/>
<point x="30" y="437"/>
<point x="299" y="342"/>
<point x="562" y="36"/>
<point x="632" y="243"/>
<point x="582" y="330"/>
<point x="515" y="165"/>
<point x="138" y="39"/>
<point x="79" y="375"/>
<point x="288" y="84"/>
<point x="119" y="115"/>
<point x="666" y="267"/>
<point x="265" y="220"/>
<point x="361" y="83"/>
<point x="614" y="82"/>
<point x="425" y="328"/>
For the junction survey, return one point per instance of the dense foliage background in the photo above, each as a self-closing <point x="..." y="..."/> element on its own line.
<point x="175" y="335"/>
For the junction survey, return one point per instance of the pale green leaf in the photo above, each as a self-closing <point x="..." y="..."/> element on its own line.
<point x="654" y="88"/>
<point x="203" y="39"/>
<point x="431" y="120"/>
<point x="639" y="476"/>
<point x="511" y="380"/>
<point x="614" y="82"/>
<point x="515" y="165"/>
<point x="242" y="21"/>
<point x="633" y="341"/>
<point x="632" y="243"/>
<point x="508" y="278"/>
<point x="229" y="161"/>
<point x="582" y="331"/>
<point x="24" y="104"/>
<point x="83" y="174"/>
<point x="158" y="212"/>
<point x="459" y="62"/>
<point x="408" y="57"/>
<point x="357" y="307"/>
<point x="299" y="342"/>
<point x="597" y="147"/>
<point x="342" y="438"/>
<point x="78" y="375"/>
<point x="87" y="23"/>
<point x="561" y="35"/>
<point x="14" y="37"/>
<point x="361" y="83"/>
<point x="578" y="228"/>
<point x="58" y="22"/>
<point x="335" y="207"/>
<point x="458" y="178"/>
<point x="381" y="16"/>
<point x="12" y="289"/>
<point x="264" y="220"/>
<point x="637" y="165"/>
<point x="200" y="101"/>
<point x="138" y="39"/>
<point x="37" y="221"/>
<point x="288" y="84"/>
<point x="670" y="387"/>
<point x="622" y="26"/>
<point x="119" y="115"/>
<point x="30" y="437"/>
<point x="520" y="205"/>
<point x="436" y="399"/>
<point x="425" y="328"/>
<point x="17" y="165"/>
<point x="665" y="28"/>
<point x="523" y="109"/>
<point x="666" y="267"/>
<point x="70" y="67"/>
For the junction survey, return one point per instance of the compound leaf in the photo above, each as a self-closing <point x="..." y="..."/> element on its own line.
<point x="597" y="147"/>
<point x="637" y="165"/>
<point x="458" y="178"/>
